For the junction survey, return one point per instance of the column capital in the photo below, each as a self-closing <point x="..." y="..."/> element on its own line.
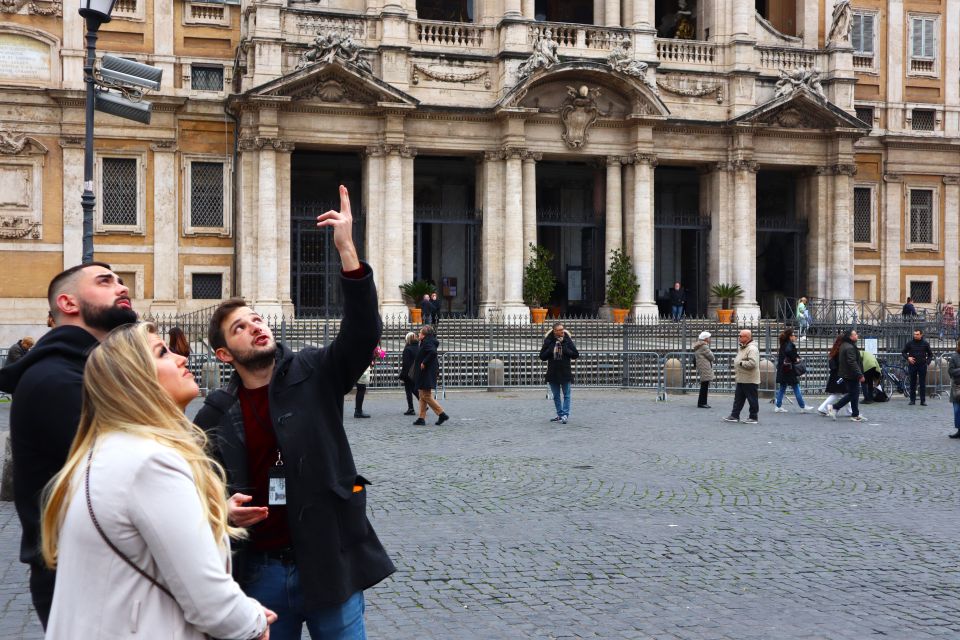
<point x="644" y="158"/>
<point x="744" y="164"/>
<point x="619" y="160"/>
<point x="531" y="156"/>
<point x="843" y="169"/>
<point x="390" y="150"/>
<point x="493" y="155"/>
<point x="510" y="152"/>
<point x="892" y="177"/>
<point x="951" y="180"/>
<point x="257" y="143"/>
<point x="164" y="146"/>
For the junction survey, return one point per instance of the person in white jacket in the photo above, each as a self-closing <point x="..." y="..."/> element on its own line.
<point x="136" y="522"/>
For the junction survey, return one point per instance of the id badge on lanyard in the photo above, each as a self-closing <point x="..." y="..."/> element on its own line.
<point x="277" y="490"/>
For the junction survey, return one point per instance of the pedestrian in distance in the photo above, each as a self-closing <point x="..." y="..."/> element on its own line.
<point x="704" y="359"/>
<point x="141" y="502"/>
<point x="788" y="371"/>
<point x="851" y="370"/>
<point x="948" y="322"/>
<point x="427" y="368"/>
<point x="919" y="356"/>
<point x="277" y="428"/>
<point x="835" y="387"/>
<point x="909" y="312"/>
<point x="426" y="309"/>
<point x="87" y="302"/>
<point x="678" y="298"/>
<point x="746" y="367"/>
<point x="18" y="350"/>
<point x="803" y="318"/>
<point x="559" y="351"/>
<point x="407" y="374"/>
<point x="436" y="305"/>
<point x="361" y="393"/>
<point x="178" y="342"/>
<point x="953" y="369"/>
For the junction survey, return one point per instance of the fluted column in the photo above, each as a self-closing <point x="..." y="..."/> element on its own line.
<point x="166" y="246"/>
<point x="392" y="302"/>
<point x="613" y="227"/>
<point x="892" y="211"/>
<point x="513" y="233"/>
<point x="530" y="160"/>
<point x="842" y="263"/>
<point x="951" y="239"/>
<point x="644" y="306"/>
<point x="745" y="237"/>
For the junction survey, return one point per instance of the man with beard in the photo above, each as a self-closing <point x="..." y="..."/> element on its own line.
<point x="278" y="431"/>
<point x="86" y="302"/>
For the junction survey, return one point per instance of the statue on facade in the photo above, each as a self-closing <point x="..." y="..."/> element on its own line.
<point x="842" y="21"/>
<point x="578" y="113"/>
<point x="544" y="55"/>
<point x="792" y="80"/>
<point x="333" y="45"/>
<point x="685" y="26"/>
<point x="621" y="60"/>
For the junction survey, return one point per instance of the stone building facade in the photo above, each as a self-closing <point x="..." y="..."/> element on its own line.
<point x="805" y="147"/>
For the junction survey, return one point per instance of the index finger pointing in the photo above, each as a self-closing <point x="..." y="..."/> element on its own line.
<point x="344" y="200"/>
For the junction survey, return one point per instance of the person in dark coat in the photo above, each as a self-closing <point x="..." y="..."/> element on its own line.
<point x="426" y="309"/>
<point x="787" y="358"/>
<point x="426" y="365"/>
<point x="87" y="302"/>
<point x="850" y="368"/>
<point x="909" y="312"/>
<point x="559" y="350"/>
<point x="835" y="386"/>
<point x="18" y="350"/>
<point x="278" y="431"/>
<point x="437" y="304"/>
<point x="678" y="298"/>
<point x="919" y="356"/>
<point x="406" y="362"/>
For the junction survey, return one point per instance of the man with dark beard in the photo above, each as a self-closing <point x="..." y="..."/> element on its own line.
<point x="278" y="431"/>
<point x="86" y="302"/>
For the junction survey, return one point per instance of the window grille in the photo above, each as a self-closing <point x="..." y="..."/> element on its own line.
<point x="865" y="114"/>
<point x="206" y="78"/>
<point x="206" y="194"/>
<point x="863" y="215"/>
<point x="861" y="34"/>
<point x="207" y="286"/>
<point x="119" y="191"/>
<point x="921" y="291"/>
<point x="923" y="120"/>
<point x="921" y="216"/>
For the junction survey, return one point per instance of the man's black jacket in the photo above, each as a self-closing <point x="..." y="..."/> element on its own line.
<point x="337" y="552"/>
<point x="920" y="351"/>
<point x="46" y="385"/>
<point x="559" y="370"/>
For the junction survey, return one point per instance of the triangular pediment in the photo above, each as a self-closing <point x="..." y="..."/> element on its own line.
<point x="801" y="109"/>
<point x="333" y="83"/>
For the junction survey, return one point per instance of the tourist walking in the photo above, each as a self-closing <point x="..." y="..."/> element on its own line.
<point x="559" y="350"/>
<point x="851" y="370"/>
<point x="909" y="312"/>
<point x="678" y="298"/>
<point x="18" y="350"/>
<point x="746" y="367"/>
<point x="427" y="368"/>
<point x="948" y="322"/>
<point x="86" y="302"/>
<point x="407" y="374"/>
<point x="953" y="369"/>
<point x="789" y="368"/>
<point x="140" y="504"/>
<point x="177" y="342"/>
<point x="277" y="429"/>
<point x="835" y="387"/>
<point x="704" y="359"/>
<point x="919" y="356"/>
<point x="803" y="318"/>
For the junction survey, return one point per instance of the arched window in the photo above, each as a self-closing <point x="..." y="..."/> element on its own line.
<point x="447" y="10"/>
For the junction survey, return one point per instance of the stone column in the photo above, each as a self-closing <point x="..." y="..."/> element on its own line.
<point x="599" y="11"/>
<point x="72" y="211"/>
<point x="248" y="224"/>
<point x="391" y="300"/>
<point x="406" y="232"/>
<point x="629" y="219"/>
<point x="716" y="190"/>
<point x="267" y="263"/>
<point x="643" y="14"/>
<point x="951" y="71"/>
<point x="491" y="234"/>
<point x="374" y="232"/>
<point x="744" y="247"/>
<point x="894" y="65"/>
<point x="819" y="225"/>
<point x="842" y="263"/>
<point x="511" y="9"/>
<point x="166" y="231"/>
<point x="528" y="9"/>
<point x="951" y="239"/>
<point x="613" y="228"/>
<point x="163" y="29"/>
<point x="283" y="148"/>
<point x="513" y="235"/>
<point x="530" y="160"/>
<point x="892" y="241"/>
<point x="644" y="306"/>
<point x="612" y="13"/>
<point x="744" y="12"/>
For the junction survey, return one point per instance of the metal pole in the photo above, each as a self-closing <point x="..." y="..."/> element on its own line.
<point x="89" y="200"/>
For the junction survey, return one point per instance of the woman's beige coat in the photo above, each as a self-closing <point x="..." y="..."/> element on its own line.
<point x="145" y="499"/>
<point x="704" y="359"/>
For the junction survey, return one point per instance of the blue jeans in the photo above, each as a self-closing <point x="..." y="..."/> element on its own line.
<point x="276" y="586"/>
<point x="677" y="311"/>
<point x="956" y="416"/>
<point x="782" y="390"/>
<point x="563" y="408"/>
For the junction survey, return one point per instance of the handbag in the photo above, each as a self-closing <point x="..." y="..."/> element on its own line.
<point x="412" y="372"/>
<point x="799" y="367"/>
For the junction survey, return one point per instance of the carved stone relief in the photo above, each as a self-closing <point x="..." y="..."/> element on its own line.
<point x="32" y="7"/>
<point x="442" y="73"/>
<point x="328" y="88"/>
<point x="333" y="45"/>
<point x="578" y="114"/>
<point x="21" y="190"/>
<point x="689" y="86"/>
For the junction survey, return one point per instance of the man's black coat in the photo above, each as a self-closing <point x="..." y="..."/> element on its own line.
<point x="427" y="356"/>
<point x="919" y="350"/>
<point x="559" y="370"/>
<point x="337" y="552"/>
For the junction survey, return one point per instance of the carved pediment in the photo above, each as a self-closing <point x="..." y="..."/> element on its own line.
<point x="333" y="83"/>
<point x="331" y="88"/>
<point x="801" y="109"/>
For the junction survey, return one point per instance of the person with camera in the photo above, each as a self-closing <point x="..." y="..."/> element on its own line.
<point x="559" y="350"/>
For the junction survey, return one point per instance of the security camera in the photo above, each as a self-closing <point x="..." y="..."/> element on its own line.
<point x="121" y="85"/>
<point x="125" y="72"/>
<point x="117" y="105"/>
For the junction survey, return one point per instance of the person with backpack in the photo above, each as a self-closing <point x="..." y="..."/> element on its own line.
<point x="789" y="370"/>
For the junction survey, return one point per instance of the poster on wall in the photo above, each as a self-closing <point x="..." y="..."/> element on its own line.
<point x="23" y="58"/>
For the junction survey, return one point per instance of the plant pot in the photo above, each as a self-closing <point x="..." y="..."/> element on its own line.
<point x="725" y="316"/>
<point x="620" y="315"/>
<point x="416" y="316"/>
<point x="554" y="312"/>
<point x="538" y="315"/>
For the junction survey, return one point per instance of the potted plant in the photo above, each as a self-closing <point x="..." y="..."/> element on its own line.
<point x="622" y="286"/>
<point x="413" y="293"/>
<point x="726" y="292"/>
<point x="538" y="282"/>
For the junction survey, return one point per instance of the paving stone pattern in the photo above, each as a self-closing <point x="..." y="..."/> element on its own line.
<point x="641" y="519"/>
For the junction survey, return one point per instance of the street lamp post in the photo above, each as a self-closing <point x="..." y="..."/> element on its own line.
<point x="96" y="13"/>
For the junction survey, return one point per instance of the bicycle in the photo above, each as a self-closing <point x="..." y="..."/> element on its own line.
<point x="897" y="376"/>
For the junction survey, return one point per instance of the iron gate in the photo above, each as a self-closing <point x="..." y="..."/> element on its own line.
<point x="468" y="220"/>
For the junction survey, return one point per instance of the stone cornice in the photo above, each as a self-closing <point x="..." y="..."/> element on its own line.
<point x="951" y="180"/>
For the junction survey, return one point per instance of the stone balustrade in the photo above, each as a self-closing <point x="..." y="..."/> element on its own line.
<point x="686" y="52"/>
<point x="307" y="25"/>
<point x="450" y="34"/>
<point x="206" y="13"/>
<point x="787" y="57"/>
<point x="572" y="36"/>
<point x="125" y="8"/>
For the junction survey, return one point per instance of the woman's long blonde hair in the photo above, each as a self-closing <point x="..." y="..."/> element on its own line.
<point x="121" y="394"/>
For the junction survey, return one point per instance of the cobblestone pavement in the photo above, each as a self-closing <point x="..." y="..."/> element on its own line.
<point x="646" y="520"/>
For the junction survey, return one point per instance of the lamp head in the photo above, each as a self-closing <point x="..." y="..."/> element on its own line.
<point x="97" y="10"/>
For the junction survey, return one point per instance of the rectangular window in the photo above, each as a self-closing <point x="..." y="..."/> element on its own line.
<point x="861" y="34"/>
<point x="865" y="114"/>
<point x="921" y="291"/>
<point x="206" y="78"/>
<point x="119" y="191"/>
<point x="207" y="286"/>
<point x="863" y="215"/>
<point x="923" y="119"/>
<point x="923" y="37"/>
<point x="921" y="216"/>
<point x="206" y="194"/>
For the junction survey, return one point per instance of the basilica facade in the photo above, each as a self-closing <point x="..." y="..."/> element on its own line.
<point x="804" y="147"/>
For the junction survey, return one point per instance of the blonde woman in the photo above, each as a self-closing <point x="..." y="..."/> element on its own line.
<point x="136" y="522"/>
